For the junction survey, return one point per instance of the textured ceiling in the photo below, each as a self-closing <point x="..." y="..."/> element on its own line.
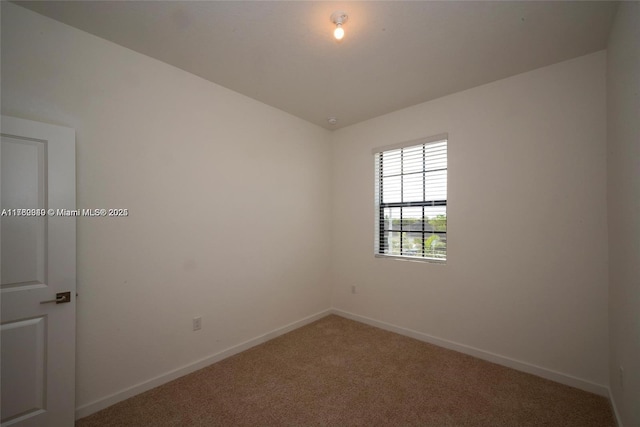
<point x="395" y="54"/>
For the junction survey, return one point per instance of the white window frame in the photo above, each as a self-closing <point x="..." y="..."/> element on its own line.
<point x="379" y="205"/>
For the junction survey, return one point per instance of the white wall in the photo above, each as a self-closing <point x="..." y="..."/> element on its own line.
<point x="526" y="276"/>
<point x="228" y="198"/>
<point x="623" y="187"/>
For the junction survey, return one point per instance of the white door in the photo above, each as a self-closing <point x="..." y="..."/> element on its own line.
<point x="38" y="264"/>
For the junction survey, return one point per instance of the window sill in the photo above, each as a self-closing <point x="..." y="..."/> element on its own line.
<point x="413" y="259"/>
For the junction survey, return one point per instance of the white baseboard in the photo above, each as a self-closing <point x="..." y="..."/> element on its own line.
<point x="104" y="402"/>
<point x="482" y="354"/>
<point x="616" y="414"/>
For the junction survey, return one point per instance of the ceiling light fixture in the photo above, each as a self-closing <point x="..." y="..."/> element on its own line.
<point x="339" y="18"/>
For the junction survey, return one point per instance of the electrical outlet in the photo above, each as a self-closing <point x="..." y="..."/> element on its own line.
<point x="197" y="323"/>
<point x="621" y="377"/>
<point x="353" y="289"/>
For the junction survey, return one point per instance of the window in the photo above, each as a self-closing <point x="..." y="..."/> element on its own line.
<point x="411" y="200"/>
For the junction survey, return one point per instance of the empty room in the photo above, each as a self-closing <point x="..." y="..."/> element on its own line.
<point x="220" y="213"/>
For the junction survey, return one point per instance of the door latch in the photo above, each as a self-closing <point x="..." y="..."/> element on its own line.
<point x="61" y="297"/>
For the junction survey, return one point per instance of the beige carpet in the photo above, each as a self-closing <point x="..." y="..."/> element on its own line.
<point x="337" y="372"/>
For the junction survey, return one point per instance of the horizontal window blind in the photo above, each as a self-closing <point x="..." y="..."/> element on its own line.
<point x="411" y="200"/>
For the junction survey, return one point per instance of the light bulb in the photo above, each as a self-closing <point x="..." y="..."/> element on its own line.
<point x="338" y="17"/>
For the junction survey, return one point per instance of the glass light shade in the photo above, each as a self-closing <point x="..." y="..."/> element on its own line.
<point x="338" y="33"/>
